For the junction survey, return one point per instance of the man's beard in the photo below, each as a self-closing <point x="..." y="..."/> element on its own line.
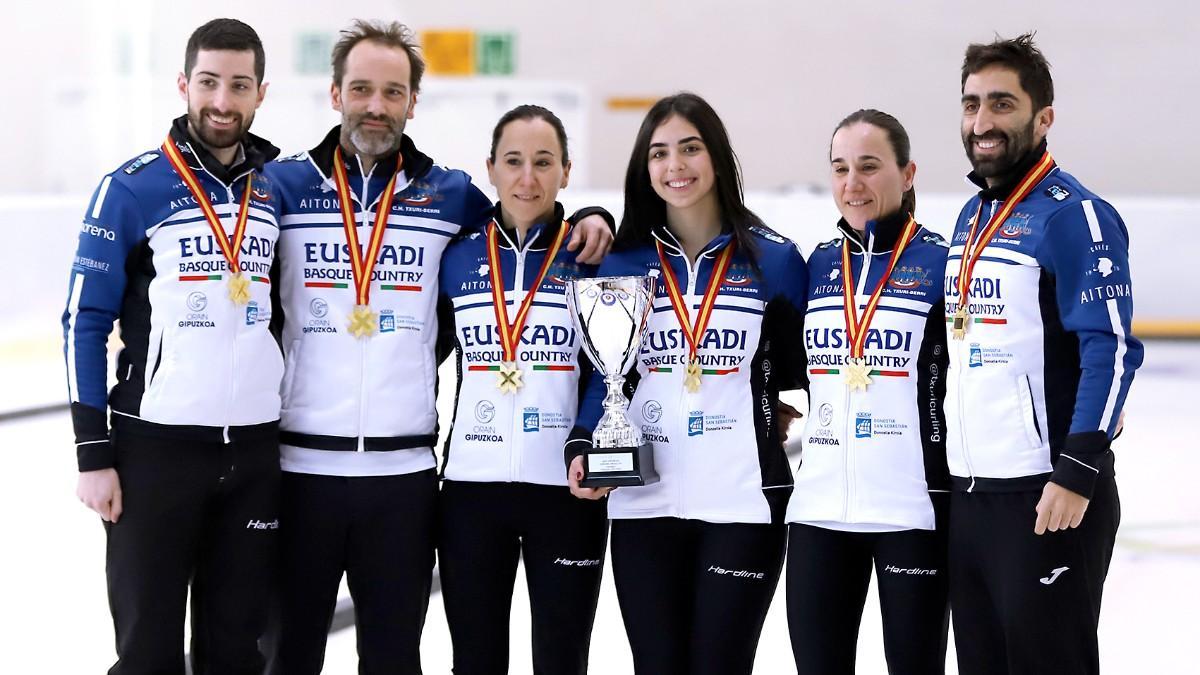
<point x="1016" y="146"/>
<point x="372" y="142"/>
<point x="218" y="139"/>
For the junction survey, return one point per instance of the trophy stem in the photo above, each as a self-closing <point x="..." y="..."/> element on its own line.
<point x="614" y="429"/>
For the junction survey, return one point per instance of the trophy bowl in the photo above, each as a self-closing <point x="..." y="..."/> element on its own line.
<point x="610" y="314"/>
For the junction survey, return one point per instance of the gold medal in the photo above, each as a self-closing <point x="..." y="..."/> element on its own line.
<point x="858" y="376"/>
<point x="692" y="380"/>
<point x="239" y="289"/>
<point x="961" y="319"/>
<point x="973" y="248"/>
<point x="362" y="322"/>
<point x="694" y="332"/>
<point x="230" y="245"/>
<point x="508" y="378"/>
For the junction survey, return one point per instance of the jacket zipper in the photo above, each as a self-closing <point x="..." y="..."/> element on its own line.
<point x="963" y="299"/>
<point x="362" y="371"/>
<point x="516" y="447"/>
<point x="237" y="320"/>
<point x="850" y="419"/>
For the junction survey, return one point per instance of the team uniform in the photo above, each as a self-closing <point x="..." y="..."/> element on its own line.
<point x="195" y="408"/>
<point x="1034" y="393"/>
<point x="359" y="422"/>
<point x="504" y="496"/>
<point x="872" y="486"/>
<point x="696" y="556"/>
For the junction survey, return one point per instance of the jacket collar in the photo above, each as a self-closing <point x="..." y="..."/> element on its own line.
<point x="673" y="247"/>
<point x="539" y="236"/>
<point x="416" y="163"/>
<point x="879" y="235"/>
<point x="253" y="154"/>
<point x="1005" y="186"/>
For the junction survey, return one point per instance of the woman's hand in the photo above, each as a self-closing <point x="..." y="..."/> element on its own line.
<point x="786" y="414"/>
<point x="594" y="235"/>
<point x="575" y="474"/>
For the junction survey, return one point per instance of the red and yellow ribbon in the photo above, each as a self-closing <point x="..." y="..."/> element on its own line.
<point x="361" y="267"/>
<point x="230" y="245"/>
<point x="857" y="375"/>
<point x="695" y="332"/>
<point x="510" y="332"/>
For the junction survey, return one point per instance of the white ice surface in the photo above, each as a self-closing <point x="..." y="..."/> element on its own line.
<point x="55" y="613"/>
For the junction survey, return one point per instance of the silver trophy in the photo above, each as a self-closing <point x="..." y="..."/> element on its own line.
<point x="611" y="314"/>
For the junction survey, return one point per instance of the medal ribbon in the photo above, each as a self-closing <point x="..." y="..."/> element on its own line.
<point x="966" y="267"/>
<point x="510" y="333"/>
<point x="694" y="333"/>
<point x="230" y="244"/>
<point x="361" y="268"/>
<point x="856" y="329"/>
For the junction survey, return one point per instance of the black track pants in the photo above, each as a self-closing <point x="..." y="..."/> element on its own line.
<point x="828" y="574"/>
<point x="204" y="513"/>
<point x="693" y="594"/>
<point x="379" y="531"/>
<point x="1028" y="604"/>
<point x="483" y="529"/>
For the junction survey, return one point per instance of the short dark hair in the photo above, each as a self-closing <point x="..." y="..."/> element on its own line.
<point x="530" y="112"/>
<point x="1019" y="54"/>
<point x="392" y="34"/>
<point x="644" y="209"/>
<point x="229" y="35"/>
<point x="897" y="138"/>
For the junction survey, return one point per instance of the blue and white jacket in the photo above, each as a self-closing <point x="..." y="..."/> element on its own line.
<point x="192" y="364"/>
<point x="871" y="458"/>
<point x="364" y="407"/>
<point x="515" y="437"/>
<point x="717" y="451"/>
<point x="1035" y="389"/>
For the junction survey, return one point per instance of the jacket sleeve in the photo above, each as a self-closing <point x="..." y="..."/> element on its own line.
<point x="1087" y="252"/>
<point x="112" y="226"/>
<point x="787" y="321"/>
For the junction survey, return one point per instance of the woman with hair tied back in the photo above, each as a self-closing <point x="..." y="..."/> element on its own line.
<point x="696" y="556"/>
<point x="504" y="497"/>
<point x="872" y="483"/>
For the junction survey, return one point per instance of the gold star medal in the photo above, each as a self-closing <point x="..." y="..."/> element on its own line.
<point x="694" y="332"/>
<point x="508" y="374"/>
<point x="961" y="319"/>
<point x="230" y="245"/>
<point x="508" y="378"/>
<point x="362" y="322"/>
<point x="692" y="380"/>
<point x="857" y="374"/>
<point x="239" y="289"/>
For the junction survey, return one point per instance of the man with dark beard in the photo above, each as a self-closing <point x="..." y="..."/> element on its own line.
<point x="1039" y="306"/>
<point x="365" y="217"/>
<point x="178" y="245"/>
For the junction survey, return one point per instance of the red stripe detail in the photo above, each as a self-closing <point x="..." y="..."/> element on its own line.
<point x="199" y="277"/>
<point x="891" y="373"/>
<point x="320" y="284"/>
<point x="400" y="287"/>
<point x="991" y="321"/>
<point x="555" y="368"/>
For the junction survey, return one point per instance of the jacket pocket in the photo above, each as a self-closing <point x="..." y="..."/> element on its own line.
<point x="1028" y="413"/>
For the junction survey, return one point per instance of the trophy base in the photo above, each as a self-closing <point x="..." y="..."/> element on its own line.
<point x="619" y="467"/>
